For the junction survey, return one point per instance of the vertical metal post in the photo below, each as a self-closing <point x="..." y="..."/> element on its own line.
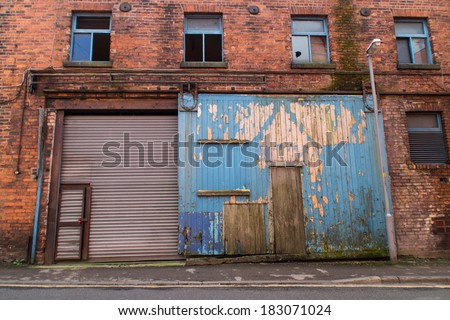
<point x="389" y="217"/>
<point x="40" y="180"/>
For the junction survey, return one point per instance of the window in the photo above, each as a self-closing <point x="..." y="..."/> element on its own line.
<point x="413" y="44"/>
<point x="426" y="138"/>
<point x="90" y="37"/>
<point x="310" y="40"/>
<point x="203" y="39"/>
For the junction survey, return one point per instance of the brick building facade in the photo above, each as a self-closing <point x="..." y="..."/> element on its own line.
<point x="151" y="61"/>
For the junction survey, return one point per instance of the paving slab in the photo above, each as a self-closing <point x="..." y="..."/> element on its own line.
<point x="251" y="274"/>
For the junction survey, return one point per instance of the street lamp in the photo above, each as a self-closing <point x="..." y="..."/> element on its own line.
<point x="372" y="49"/>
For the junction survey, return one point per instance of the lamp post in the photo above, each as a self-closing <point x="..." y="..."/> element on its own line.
<point x="372" y="49"/>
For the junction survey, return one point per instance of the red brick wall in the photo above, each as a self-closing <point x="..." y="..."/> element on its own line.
<point x="418" y="193"/>
<point x="36" y="35"/>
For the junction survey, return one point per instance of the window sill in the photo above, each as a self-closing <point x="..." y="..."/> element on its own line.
<point x="428" y="166"/>
<point x="416" y="66"/>
<point x="204" y="65"/>
<point x="313" y="65"/>
<point x="89" y="64"/>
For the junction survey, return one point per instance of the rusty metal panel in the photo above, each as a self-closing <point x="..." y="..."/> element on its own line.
<point x="130" y="163"/>
<point x="200" y="233"/>
<point x="331" y="137"/>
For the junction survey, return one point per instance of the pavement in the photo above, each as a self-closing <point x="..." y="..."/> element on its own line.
<point x="424" y="273"/>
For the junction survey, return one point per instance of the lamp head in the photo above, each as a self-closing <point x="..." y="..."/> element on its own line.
<point x="373" y="47"/>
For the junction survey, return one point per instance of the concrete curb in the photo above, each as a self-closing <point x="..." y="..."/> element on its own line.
<point x="376" y="281"/>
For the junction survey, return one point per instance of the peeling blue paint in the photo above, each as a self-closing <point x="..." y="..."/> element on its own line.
<point x="343" y="204"/>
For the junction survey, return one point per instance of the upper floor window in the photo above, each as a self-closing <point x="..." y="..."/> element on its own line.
<point x="203" y="38"/>
<point x="310" y="40"/>
<point x="413" y="44"/>
<point x="90" y="37"/>
<point x="426" y="138"/>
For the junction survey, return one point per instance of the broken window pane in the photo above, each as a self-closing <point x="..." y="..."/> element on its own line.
<point x="319" y="49"/>
<point x="194" y="47"/>
<point x="300" y="49"/>
<point x="101" y="46"/>
<point x="213" y="47"/>
<point x="91" y="38"/>
<point x="81" y="47"/>
<point x="419" y="48"/>
<point x="93" y="23"/>
<point x="403" y="50"/>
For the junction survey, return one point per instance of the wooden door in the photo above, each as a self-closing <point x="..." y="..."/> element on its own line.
<point x="289" y="225"/>
<point x="73" y="222"/>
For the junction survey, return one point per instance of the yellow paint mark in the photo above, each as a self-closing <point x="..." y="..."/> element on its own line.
<point x="210" y="135"/>
<point x="226" y="134"/>
<point x="337" y="197"/>
<point x="325" y="199"/>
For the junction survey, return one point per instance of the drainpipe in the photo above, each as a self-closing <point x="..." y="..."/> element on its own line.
<point x="40" y="180"/>
<point x="389" y="218"/>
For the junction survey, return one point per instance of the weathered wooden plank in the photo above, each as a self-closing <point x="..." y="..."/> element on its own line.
<point x="222" y="141"/>
<point x="244" y="229"/>
<point x="289" y="230"/>
<point x="219" y="193"/>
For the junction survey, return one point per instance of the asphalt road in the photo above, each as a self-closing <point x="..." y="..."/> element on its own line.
<point x="302" y="293"/>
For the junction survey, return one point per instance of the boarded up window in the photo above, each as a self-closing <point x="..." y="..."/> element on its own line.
<point x="426" y="138"/>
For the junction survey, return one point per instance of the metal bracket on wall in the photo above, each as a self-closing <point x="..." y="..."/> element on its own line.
<point x="32" y="83"/>
<point x="189" y="96"/>
<point x="366" y="105"/>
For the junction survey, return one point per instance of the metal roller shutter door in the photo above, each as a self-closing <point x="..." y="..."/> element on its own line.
<point x="134" y="208"/>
